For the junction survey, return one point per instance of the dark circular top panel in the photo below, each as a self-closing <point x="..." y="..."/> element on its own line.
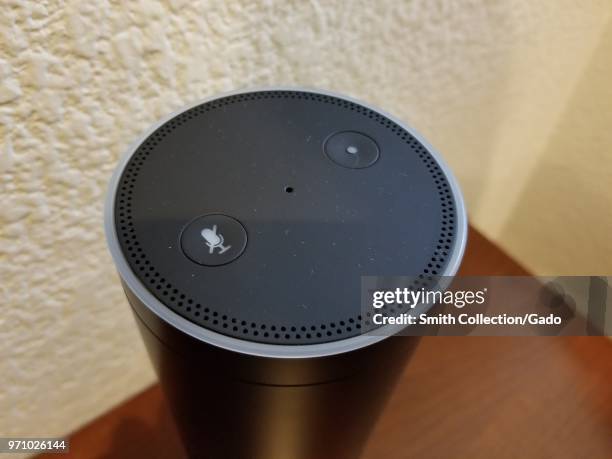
<point x="313" y="226"/>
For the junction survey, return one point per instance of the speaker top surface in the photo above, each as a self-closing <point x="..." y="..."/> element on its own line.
<point x="255" y="215"/>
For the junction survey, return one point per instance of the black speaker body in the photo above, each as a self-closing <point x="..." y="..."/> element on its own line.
<point x="241" y="227"/>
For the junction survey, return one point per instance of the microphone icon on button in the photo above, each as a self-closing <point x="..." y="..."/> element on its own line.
<point x="214" y="240"/>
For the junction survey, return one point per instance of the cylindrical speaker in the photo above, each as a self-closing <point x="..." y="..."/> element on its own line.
<point x="241" y="228"/>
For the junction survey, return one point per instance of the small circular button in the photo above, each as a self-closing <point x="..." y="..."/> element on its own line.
<point x="352" y="149"/>
<point x="213" y="240"/>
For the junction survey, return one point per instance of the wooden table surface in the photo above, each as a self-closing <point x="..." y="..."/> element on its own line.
<point x="459" y="397"/>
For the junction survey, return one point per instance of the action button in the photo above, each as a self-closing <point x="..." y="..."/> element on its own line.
<point x="352" y="149"/>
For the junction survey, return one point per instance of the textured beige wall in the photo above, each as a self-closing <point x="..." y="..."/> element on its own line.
<point x="515" y="93"/>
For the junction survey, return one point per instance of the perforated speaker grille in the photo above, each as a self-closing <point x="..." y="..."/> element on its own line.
<point x="282" y="295"/>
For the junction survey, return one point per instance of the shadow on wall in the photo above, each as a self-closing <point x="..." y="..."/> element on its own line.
<point x="563" y="219"/>
<point x="450" y="82"/>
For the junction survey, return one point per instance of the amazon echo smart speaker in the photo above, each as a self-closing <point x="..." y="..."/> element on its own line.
<point x="241" y="228"/>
